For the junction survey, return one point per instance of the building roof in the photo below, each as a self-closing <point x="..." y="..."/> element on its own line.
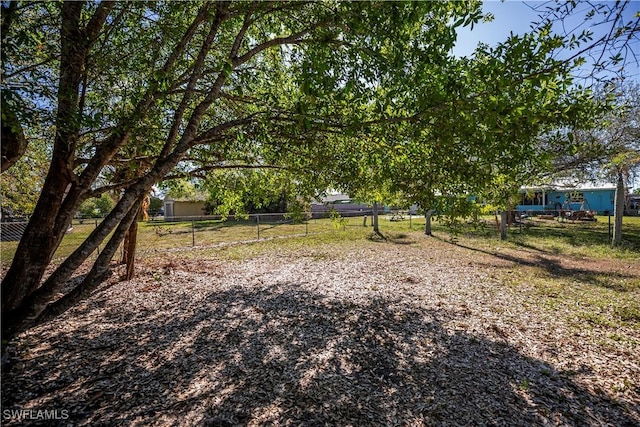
<point x="333" y="198"/>
<point x="570" y="185"/>
<point x="196" y="199"/>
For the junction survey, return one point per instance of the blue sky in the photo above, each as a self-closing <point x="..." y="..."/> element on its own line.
<point x="516" y="16"/>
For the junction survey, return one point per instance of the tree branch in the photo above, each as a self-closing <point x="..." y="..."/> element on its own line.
<point x="221" y="12"/>
<point x="200" y="172"/>
<point x="93" y="28"/>
<point x="291" y="39"/>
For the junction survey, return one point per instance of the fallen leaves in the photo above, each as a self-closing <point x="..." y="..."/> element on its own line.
<point x="373" y="335"/>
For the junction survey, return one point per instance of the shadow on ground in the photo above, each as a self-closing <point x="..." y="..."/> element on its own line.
<point x="283" y="356"/>
<point x="552" y="265"/>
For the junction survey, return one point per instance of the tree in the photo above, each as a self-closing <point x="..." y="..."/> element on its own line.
<point x="96" y="207"/>
<point x="20" y="184"/>
<point x="193" y="79"/>
<point x="155" y="206"/>
<point x="250" y="191"/>
<point x="620" y="166"/>
<point x="213" y="85"/>
<point x="605" y="148"/>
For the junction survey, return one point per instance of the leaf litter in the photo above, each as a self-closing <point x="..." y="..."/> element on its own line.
<point x="361" y="333"/>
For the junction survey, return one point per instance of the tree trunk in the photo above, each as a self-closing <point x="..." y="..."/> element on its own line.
<point x="98" y="272"/>
<point x="503" y="224"/>
<point x="427" y="225"/>
<point x="374" y="220"/>
<point x="14" y="144"/>
<point x="36" y="308"/>
<point x="46" y="228"/>
<point x="129" y="248"/>
<point x="618" y="211"/>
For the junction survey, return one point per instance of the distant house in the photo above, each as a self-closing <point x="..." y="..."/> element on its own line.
<point x="556" y="198"/>
<point x="634" y="202"/>
<point x="341" y="203"/>
<point x="176" y="209"/>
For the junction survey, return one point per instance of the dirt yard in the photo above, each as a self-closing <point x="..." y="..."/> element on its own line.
<point x="414" y="331"/>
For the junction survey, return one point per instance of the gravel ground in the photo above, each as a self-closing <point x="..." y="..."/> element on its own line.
<point x="367" y="333"/>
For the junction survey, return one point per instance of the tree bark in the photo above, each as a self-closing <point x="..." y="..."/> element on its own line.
<point x="14" y="144"/>
<point x="132" y="237"/>
<point x="374" y="220"/>
<point x="618" y="211"/>
<point x="98" y="272"/>
<point x="129" y="245"/>
<point x="427" y="224"/>
<point x="36" y="307"/>
<point x="503" y="224"/>
<point x="45" y="231"/>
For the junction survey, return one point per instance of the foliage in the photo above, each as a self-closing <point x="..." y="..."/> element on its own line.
<point x="155" y="206"/>
<point x="298" y="210"/>
<point x="20" y="185"/>
<point x="251" y="191"/>
<point x="96" y="207"/>
<point x="336" y="219"/>
<point x="182" y="189"/>
<point x="598" y="148"/>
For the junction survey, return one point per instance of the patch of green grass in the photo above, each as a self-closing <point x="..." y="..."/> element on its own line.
<point x="577" y="239"/>
<point x="629" y="312"/>
<point x="524" y="385"/>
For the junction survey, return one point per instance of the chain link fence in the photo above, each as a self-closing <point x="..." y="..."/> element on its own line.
<point x="186" y="232"/>
<point x="11" y="233"/>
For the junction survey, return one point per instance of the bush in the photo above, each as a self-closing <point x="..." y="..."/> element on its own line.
<point x="96" y="207"/>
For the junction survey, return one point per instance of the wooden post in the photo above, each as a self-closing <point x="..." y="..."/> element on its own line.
<point x="503" y="224"/>
<point x="618" y="210"/>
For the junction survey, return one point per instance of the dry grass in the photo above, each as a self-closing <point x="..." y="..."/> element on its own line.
<point x="346" y="331"/>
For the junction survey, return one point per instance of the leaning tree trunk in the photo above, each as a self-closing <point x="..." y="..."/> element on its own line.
<point x="46" y="228"/>
<point x="61" y="193"/>
<point x="618" y="211"/>
<point x="98" y="272"/>
<point x="36" y="307"/>
<point x="130" y="243"/>
<point x="31" y="305"/>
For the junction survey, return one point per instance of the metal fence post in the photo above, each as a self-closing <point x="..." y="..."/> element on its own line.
<point x="306" y="228"/>
<point x="98" y="245"/>
<point x="258" y="222"/>
<point x="193" y="232"/>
